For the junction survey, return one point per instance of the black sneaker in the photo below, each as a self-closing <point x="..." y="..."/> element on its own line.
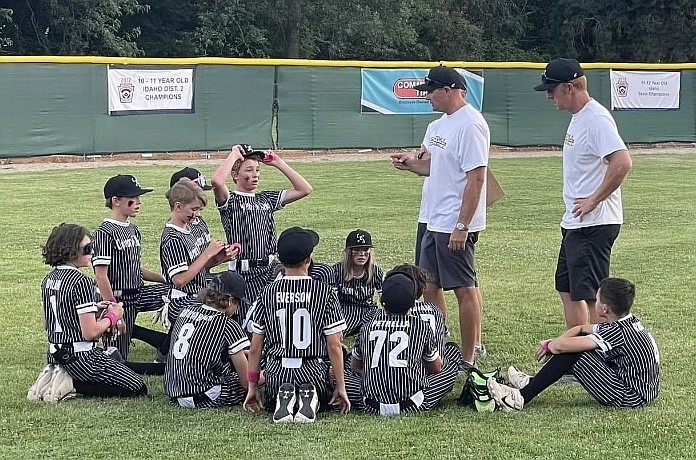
<point x="285" y="404"/>
<point x="309" y="402"/>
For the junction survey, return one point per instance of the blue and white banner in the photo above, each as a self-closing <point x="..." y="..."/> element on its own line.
<point x="390" y="91"/>
<point x="148" y="90"/>
<point x="635" y="90"/>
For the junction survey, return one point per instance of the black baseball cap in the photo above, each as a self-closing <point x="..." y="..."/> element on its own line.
<point x="295" y="244"/>
<point x="190" y="173"/>
<point x="358" y="239"/>
<point x="123" y="185"/>
<point x="441" y="77"/>
<point x="398" y="293"/>
<point x="230" y="283"/>
<point x="560" y="70"/>
<point x="248" y="151"/>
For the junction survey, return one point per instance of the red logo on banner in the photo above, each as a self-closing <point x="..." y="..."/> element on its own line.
<point x="403" y="88"/>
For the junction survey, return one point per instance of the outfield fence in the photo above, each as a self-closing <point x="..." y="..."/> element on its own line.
<point x="56" y="105"/>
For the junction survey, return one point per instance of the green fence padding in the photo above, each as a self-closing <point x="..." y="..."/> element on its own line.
<point x="51" y="108"/>
<point x="319" y="107"/>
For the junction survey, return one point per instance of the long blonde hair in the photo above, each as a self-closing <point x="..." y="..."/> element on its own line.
<point x="349" y="267"/>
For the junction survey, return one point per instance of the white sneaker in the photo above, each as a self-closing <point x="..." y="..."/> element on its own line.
<point x="61" y="386"/>
<point x="507" y="399"/>
<point x="517" y="378"/>
<point x="42" y="383"/>
<point x="309" y="402"/>
<point x="285" y="404"/>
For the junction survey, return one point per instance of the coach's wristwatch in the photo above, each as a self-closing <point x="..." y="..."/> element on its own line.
<point x="461" y="227"/>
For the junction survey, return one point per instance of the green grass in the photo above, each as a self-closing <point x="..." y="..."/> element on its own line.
<point x="516" y="261"/>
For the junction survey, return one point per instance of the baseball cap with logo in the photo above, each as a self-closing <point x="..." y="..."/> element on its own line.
<point x="560" y="70"/>
<point x="441" y="77"/>
<point x="398" y="293"/>
<point x="358" y="239"/>
<point x="295" y="244"/>
<point x="123" y="185"/>
<point x="190" y="173"/>
<point x="229" y="282"/>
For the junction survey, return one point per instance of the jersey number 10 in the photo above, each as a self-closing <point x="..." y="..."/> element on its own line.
<point x="301" y="327"/>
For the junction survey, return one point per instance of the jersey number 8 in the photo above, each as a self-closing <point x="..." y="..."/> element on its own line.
<point x="181" y="346"/>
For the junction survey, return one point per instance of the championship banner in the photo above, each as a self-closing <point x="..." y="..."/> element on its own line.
<point x="390" y="91"/>
<point x="635" y="90"/>
<point x="134" y="90"/>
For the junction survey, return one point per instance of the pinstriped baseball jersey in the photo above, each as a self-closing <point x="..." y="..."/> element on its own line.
<point x="357" y="292"/>
<point x="248" y="219"/>
<point x="117" y="245"/>
<point x="392" y="349"/>
<point x="321" y="272"/>
<point x="203" y="339"/>
<point x="630" y="350"/>
<point x="432" y="315"/>
<point x="294" y="314"/>
<point x="179" y="248"/>
<point x="66" y="293"/>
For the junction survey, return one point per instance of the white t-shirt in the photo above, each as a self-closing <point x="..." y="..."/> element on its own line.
<point x="591" y="136"/>
<point x="457" y="144"/>
<point x="423" y="211"/>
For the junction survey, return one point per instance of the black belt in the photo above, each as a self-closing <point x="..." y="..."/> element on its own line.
<point x="404" y="405"/>
<point x="127" y="292"/>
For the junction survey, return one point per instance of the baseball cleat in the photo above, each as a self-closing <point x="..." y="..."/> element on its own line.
<point x="61" y="386"/>
<point x="507" y="399"/>
<point x="309" y="402"/>
<point x="285" y="404"/>
<point x="41" y="385"/>
<point x="517" y="378"/>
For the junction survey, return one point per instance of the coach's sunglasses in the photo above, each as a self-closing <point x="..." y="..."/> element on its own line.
<point x="545" y="79"/>
<point x="87" y="249"/>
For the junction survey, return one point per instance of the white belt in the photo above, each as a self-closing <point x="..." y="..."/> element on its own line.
<point x="242" y="265"/>
<point x="291" y="363"/>
<point x="212" y="394"/>
<point x="177" y="294"/>
<point x="77" y="346"/>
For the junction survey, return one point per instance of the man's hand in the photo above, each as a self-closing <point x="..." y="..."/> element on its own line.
<point x="340" y="398"/>
<point x="457" y="240"/>
<point x="403" y="161"/>
<point x="583" y="206"/>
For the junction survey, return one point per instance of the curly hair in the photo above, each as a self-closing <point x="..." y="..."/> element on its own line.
<point x="214" y="298"/>
<point x="421" y="276"/>
<point x="63" y="244"/>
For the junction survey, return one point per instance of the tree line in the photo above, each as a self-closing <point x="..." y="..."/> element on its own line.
<point x="469" y="30"/>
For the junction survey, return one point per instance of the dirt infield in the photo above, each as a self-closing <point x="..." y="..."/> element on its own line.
<point x="56" y="162"/>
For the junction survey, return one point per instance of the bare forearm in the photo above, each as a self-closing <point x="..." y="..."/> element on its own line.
<point x="620" y="164"/>
<point x="472" y="194"/>
<point x="149" y="275"/>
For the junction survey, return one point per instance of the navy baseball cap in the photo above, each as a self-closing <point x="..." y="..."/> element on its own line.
<point x="230" y="283"/>
<point x="190" y="173"/>
<point x="398" y="293"/>
<point x="560" y="70"/>
<point x="295" y="244"/>
<point x="123" y="185"/>
<point x="441" y="77"/>
<point x="358" y="239"/>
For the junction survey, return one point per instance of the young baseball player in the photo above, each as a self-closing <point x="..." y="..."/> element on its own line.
<point x="397" y="361"/>
<point x="357" y="277"/>
<point x="616" y="361"/>
<point x="185" y="254"/>
<point x="248" y="216"/>
<point x="117" y="263"/>
<point x="205" y="342"/>
<point x="74" y="322"/>
<point x="298" y="325"/>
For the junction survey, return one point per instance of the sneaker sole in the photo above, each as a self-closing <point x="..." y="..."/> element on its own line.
<point x="283" y="412"/>
<point x="307" y="412"/>
<point x="487" y="406"/>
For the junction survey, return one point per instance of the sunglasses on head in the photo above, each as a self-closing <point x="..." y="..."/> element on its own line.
<point x="87" y="249"/>
<point x="545" y="79"/>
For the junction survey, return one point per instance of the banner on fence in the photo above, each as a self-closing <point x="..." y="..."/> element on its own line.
<point x="635" y="90"/>
<point x="390" y="91"/>
<point x="148" y="90"/>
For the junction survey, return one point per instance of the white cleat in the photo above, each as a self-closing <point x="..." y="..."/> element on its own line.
<point x="41" y="385"/>
<point x="61" y="386"/>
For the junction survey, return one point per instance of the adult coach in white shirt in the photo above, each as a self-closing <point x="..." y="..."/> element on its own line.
<point x="455" y="158"/>
<point x="595" y="163"/>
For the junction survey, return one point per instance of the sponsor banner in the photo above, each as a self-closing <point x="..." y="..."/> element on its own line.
<point x="634" y="90"/>
<point x="149" y="90"/>
<point x="390" y="91"/>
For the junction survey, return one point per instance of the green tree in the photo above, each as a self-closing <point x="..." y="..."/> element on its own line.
<point x="74" y="27"/>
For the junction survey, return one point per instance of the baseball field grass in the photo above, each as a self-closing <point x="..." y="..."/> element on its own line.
<point x="516" y="259"/>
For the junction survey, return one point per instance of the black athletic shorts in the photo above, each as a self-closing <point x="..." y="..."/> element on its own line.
<point x="583" y="260"/>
